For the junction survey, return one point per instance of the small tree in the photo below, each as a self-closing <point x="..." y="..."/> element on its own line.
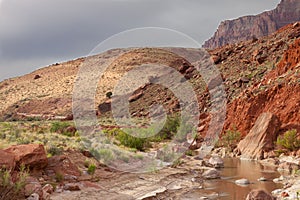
<point x="289" y="140"/>
<point x="230" y="138"/>
<point x="109" y="94"/>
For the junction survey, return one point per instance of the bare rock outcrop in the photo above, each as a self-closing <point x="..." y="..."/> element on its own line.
<point x="260" y="138"/>
<point x="259" y="195"/>
<point x="31" y="155"/>
<point x="252" y="27"/>
<point x="7" y="160"/>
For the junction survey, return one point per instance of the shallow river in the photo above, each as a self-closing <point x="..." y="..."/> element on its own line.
<point x="237" y="169"/>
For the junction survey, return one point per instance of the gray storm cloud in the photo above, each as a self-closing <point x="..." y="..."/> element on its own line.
<point x="35" y="33"/>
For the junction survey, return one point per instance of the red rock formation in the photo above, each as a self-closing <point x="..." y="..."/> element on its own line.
<point x="250" y="27"/>
<point x="260" y="138"/>
<point x="278" y="93"/>
<point x="7" y="160"/>
<point x="31" y="155"/>
<point x="259" y="194"/>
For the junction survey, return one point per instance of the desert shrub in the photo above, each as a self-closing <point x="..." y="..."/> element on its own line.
<point x="92" y="169"/>
<point x="289" y="140"/>
<point x="59" y="177"/>
<point x="230" y="138"/>
<point x="54" y="150"/>
<point x="10" y="190"/>
<point x="62" y="128"/>
<point x="104" y="154"/>
<point x="131" y="141"/>
<point x="109" y="94"/>
<point x="170" y="127"/>
<point x="58" y="127"/>
<point x="3" y="136"/>
<point x="23" y="141"/>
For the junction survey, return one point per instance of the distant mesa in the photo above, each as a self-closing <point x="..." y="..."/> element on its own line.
<point x="253" y="27"/>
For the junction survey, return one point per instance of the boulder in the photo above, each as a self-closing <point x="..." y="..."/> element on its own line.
<point x="34" y="196"/>
<point x="211" y="174"/>
<point x="62" y="165"/>
<point x="7" y="160"/>
<point x="259" y="195"/>
<point x="32" y="186"/>
<point x="242" y="182"/>
<point x="289" y="167"/>
<point x="260" y="138"/>
<point x="36" y="77"/>
<point x="31" y="155"/>
<point x="216" y="161"/>
<point x="47" y="189"/>
<point x="72" y="187"/>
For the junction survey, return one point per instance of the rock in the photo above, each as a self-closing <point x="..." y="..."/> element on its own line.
<point x="285" y="194"/>
<point x="135" y="97"/>
<point x="32" y="186"/>
<point x="48" y="188"/>
<point x="31" y="155"/>
<point x="244" y="80"/>
<point x="36" y="77"/>
<point x="68" y="117"/>
<point x="45" y="195"/>
<point x="289" y="159"/>
<point x="211" y="174"/>
<point x="260" y="138"/>
<point x="72" y="187"/>
<point x="276" y="192"/>
<point x="104" y="107"/>
<point x="204" y="198"/>
<point x="216" y="162"/>
<point x="87" y="153"/>
<point x="63" y="165"/>
<point x="270" y="162"/>
<point x="7" y="160"/>
<point x="71" y="130"/>
<point x="183" y="68"/>
<point x="34" y="196"/>
<point x="280" y="179"/>
<point x="262" y="179"/>
<point x="242" y="182"/>
<point x="289" y="167"/>
<point x="216" y="59"/>
<point x="259" y="195"/>
<point x="296" y="24"/>
<point x="249" y="27"/>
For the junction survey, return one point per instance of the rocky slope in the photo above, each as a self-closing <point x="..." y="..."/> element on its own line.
<point x="47" y="93"/>
<point x="250" y="27"/>
<point x="259" y="76"/>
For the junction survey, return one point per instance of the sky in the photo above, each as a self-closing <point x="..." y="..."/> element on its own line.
<point x="38" y="33"/>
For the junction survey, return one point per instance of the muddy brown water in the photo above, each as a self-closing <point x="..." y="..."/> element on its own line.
<point x="234" y="169"/>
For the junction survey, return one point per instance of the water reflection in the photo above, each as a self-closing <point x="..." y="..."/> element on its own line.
<point x="226" y="189"/>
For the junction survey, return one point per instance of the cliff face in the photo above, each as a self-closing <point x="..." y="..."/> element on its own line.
<point x="249" y="27"/>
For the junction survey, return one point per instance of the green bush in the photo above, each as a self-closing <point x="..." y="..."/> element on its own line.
<point x="92" y="169"/>
<point x="54" y="150"/>
<point x="58" y="127"/>
<point x="10" y="190"/>
<point x="230" y="138"/>
<point x="170" y="127"/>
<point x="131" y="141"/>
<point x="62" y="128"/>
<point x="289" y="140"/>
<point x="104" y="154"/>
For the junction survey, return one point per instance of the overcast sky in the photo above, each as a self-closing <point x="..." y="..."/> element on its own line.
<point x="37" y="33"/>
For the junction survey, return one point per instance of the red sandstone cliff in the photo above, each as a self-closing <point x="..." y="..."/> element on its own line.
<point x="249" y="27"/>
